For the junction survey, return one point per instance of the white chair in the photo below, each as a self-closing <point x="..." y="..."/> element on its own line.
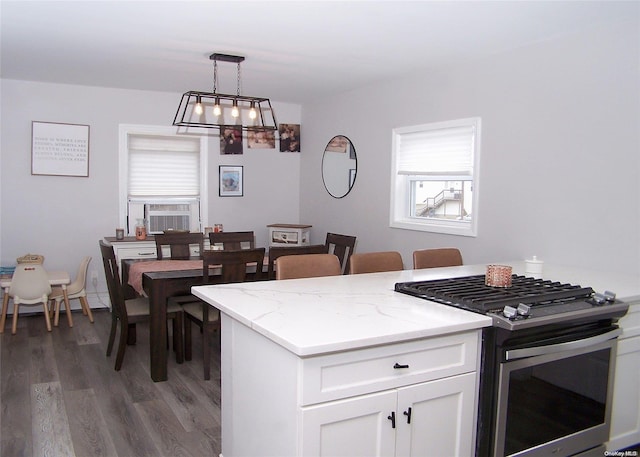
<point x="29" y="286"/>
<point x="77" y="289"/>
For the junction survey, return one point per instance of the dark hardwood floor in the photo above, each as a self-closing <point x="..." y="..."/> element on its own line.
<point x="60" y="395"/>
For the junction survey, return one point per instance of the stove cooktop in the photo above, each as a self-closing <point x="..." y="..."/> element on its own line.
<point x="526" y="303"/>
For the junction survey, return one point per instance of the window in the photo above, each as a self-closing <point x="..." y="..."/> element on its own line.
<point x="434" y="181"/>
<point x="162" y="179"/>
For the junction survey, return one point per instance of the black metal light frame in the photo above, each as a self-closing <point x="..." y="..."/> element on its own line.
<point x="186" y="115"/>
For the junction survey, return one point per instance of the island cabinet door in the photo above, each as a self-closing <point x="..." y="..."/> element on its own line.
<point x="437" y="417"/>
<point x="355" y="427"/>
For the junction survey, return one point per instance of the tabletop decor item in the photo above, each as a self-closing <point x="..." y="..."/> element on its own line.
<point x="59" y="149"/>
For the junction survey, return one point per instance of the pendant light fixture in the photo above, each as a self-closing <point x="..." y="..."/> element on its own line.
<point x="216" y="110"/>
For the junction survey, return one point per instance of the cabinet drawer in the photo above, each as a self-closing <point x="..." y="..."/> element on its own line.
<point x="136" y="253"/>
<point x="346" y="374"/>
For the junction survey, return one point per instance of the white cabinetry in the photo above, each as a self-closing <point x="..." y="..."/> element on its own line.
<point x="289" y="234"/>
<point x="146" y="249"/>
<point x="275" y="403"/>
<point x="625" y="416"/>
<point x="430" y="418"/>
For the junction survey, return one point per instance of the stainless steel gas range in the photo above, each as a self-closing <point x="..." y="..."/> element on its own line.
<point x="548" y="362"/>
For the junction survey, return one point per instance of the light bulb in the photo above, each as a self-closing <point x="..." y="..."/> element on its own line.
<point x="217" y="111"/>
<point x="235" y="112"/>
<point x="252" y="111"/>
<point x="198" y="108"/>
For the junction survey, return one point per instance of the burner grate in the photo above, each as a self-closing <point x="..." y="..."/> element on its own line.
<point x="470" y="292"/>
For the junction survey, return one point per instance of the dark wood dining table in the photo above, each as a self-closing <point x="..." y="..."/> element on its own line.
<point x="160" y="285"/>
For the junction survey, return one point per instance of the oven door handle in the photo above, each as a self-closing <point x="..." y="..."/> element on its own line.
<point x="561" y="347"/>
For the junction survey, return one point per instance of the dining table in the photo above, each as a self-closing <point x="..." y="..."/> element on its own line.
<point x="56" y="278"/>
<point x="159" y="280"/>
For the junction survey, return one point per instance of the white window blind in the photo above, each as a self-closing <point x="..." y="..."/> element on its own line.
<point x="163" y="166"/>
<point x="439" y="151"/>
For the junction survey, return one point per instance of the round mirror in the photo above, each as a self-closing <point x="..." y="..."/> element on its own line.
<point x="339" y="166"/>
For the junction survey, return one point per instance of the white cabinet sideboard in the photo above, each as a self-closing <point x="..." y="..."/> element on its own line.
<point x="409" y="398"/>
<point x="625" y="415"/>
<point x="130" y="248"/>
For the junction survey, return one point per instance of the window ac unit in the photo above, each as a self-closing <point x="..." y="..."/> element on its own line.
<point x="162" y="217"/>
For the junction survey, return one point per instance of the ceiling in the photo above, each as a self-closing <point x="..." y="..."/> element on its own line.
<point x="295" y="51"/>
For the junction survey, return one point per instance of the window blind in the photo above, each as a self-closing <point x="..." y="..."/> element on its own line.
<point x="163" y="166"/>
<point x="442" y="151"/>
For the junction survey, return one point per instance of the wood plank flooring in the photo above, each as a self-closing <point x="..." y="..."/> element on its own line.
<point x="60" y="396"/>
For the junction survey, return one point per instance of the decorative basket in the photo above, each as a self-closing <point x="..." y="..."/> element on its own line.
<point x="31" y="258"/>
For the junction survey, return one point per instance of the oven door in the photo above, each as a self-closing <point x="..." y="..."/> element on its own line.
<point x="555" y="399"/>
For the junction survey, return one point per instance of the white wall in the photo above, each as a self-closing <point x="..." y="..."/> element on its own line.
<point x="63" y="218"/>
<point x="560" y="169"/>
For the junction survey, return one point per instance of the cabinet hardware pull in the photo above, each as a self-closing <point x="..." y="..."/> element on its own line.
<point x="392" y="418"/>
<point x="397" y="366"/>
<point x="146" y="253"/>
<point x="408" y="414"/>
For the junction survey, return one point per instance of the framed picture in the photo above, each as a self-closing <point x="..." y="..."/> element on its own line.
<point x="59" y="149"/>
<point x="231" y="140"/>
<point x="231" y="183"/>
<point x="289" y="137"/>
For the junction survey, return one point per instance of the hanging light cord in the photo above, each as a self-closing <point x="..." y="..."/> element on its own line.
<point x="239" y="81"/>
<point x="215" y="75"/>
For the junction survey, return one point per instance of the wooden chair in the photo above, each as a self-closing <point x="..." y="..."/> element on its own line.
<point x="129" y="312"/>
<point x="433" y="258"/>
<point x="77" y="289"/>
<point x="29" y="286"/>
<point x="234" y="269"/>
<point x="233" y="240"/>
<point x="373" y="262"/>
<point x="278" y="251"/>
<point x="179" y="244"/>
<point x="342" y="246"/>
<point x="307" y="266"/>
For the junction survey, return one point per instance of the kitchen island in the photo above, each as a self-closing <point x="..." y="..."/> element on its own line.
<point x="346" y="366"/>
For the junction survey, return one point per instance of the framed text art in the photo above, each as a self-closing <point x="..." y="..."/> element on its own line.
<point x="59" y="149"/>
<point x="231" y="182"/>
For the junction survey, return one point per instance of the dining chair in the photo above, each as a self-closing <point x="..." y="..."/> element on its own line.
<point x="233" y="240"/>
<point x="374" y="262"/>
<point x="342" y="246"/>
<point x="77" y="289"/>
<point x="29" y="286"/>
<point x="129" y="312"/>
<point x="179" y="244"/>
<point x="307" y="266"/>
<point x="234" y="265"/>
<point x="278" y="251"/>
<point x="433" y="258"/>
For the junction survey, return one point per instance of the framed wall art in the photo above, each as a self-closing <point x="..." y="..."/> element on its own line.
<point x="231" y="182"/>
<point x="59" y="149"/>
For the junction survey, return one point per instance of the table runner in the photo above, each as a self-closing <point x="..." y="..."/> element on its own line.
<point x="136" y="269"/>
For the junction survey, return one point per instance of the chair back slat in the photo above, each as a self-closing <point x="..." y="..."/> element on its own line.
<point x="342" y="246"/>
<point x="179" y="244"/>
<point x="232" y="241"/>
<point x="233" y="264"/>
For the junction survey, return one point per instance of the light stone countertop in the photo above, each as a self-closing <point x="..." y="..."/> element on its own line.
<point x="319" y="315"/>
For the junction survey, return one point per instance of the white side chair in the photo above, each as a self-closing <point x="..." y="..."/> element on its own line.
<point x="77" y="289"/>
<point x="29" y="286"/>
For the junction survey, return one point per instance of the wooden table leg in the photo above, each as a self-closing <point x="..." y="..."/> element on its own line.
<point x="158" y="330"/>
<point x="66" y="304"/>
<point x="5" y="306"/>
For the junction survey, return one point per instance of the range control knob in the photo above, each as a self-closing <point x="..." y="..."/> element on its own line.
<point x="510" y="312"/>
<point x="524" y="310"/>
